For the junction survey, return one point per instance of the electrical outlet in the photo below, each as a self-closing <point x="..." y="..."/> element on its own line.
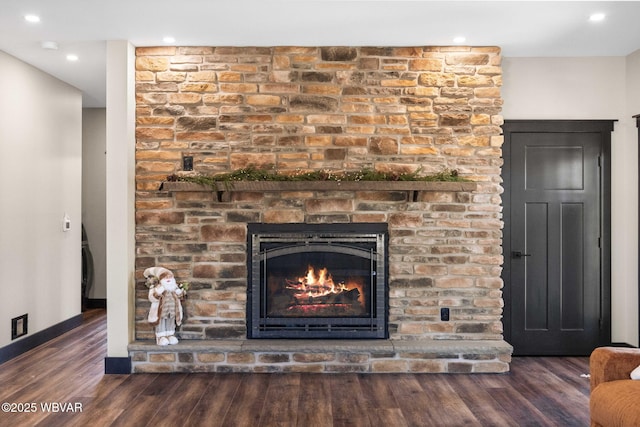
<point x="19" y="326"/>
<point x="444" y="314"/>
<point x="187" y="163"/>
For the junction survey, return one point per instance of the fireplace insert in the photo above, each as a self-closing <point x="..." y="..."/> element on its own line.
<point x="317" y="280"/>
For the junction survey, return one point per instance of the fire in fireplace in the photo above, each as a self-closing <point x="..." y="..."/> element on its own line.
<point x="317" y="281"/>
<point x="315" y="294"/>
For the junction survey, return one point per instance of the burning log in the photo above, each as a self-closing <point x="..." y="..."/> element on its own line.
<point x="348" y="296"/>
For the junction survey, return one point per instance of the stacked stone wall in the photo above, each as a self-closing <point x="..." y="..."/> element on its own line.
<point x="324" y="108"/>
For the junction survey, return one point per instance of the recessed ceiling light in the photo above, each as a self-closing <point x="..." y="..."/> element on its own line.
<point x="72" y="57"/>
<point x="459" y="39"/>
<point x="169" y="39"/>
<point x="596" y="17"/>
<point x="32" y="18"/>
<point x="50" y="45"/>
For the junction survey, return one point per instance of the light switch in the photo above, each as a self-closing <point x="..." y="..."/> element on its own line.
<point x="66" y="223"/>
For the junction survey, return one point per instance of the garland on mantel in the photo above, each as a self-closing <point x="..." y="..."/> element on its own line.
<point x="255" y="174"/>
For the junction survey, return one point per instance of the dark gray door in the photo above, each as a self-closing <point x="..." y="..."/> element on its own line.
<point x="555" y="230"/>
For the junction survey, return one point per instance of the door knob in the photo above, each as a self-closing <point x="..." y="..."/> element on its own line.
<point x="518" y="254"/>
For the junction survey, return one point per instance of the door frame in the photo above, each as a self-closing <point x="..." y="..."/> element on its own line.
<point x="604" y="127"/>
<point x="637" y="117"/>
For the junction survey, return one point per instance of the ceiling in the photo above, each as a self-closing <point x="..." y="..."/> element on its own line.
<point x="520" y="28"/>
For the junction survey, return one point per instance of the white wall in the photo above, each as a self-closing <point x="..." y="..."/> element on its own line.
<point x="120" y="196"/>
<point x="592" y="88"/>
<point x="40" y="181"/>
<point x="94" y="198"/>
<point x="629" y="293"/>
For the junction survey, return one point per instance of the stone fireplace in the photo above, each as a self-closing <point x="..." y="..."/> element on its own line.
<point x="323" y="108"/>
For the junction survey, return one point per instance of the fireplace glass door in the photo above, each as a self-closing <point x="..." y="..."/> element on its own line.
<point x="317" y="281"/>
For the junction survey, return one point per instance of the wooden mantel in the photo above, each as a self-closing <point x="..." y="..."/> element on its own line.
<point x="223" y="190"/>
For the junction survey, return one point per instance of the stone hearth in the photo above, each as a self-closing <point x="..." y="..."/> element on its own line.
<point x="323" y="356"/>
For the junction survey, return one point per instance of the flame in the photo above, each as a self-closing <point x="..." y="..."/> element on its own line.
<point x="320" y="283"/>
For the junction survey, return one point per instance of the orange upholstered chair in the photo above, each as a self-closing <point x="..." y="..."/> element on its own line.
<point x="615" y="398"/>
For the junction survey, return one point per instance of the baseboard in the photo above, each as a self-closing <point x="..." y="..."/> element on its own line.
<point x="622" y="344"/>
<point x="32" y="341"/>
<point x="96" y="303"/>
<point x="117" y="365"/>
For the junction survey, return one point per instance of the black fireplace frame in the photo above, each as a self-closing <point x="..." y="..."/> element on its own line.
<point x="310" y="237"/>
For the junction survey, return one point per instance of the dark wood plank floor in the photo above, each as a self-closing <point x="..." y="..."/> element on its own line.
<point x="70" y="370"/>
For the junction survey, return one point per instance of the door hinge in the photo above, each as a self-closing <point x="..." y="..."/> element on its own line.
<point x="599" y="242"/>
<point x="601" y="323"/>
<point x="599" y="161"/>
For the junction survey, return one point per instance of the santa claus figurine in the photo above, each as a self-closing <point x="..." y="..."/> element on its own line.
<point x="166" y="310"/>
